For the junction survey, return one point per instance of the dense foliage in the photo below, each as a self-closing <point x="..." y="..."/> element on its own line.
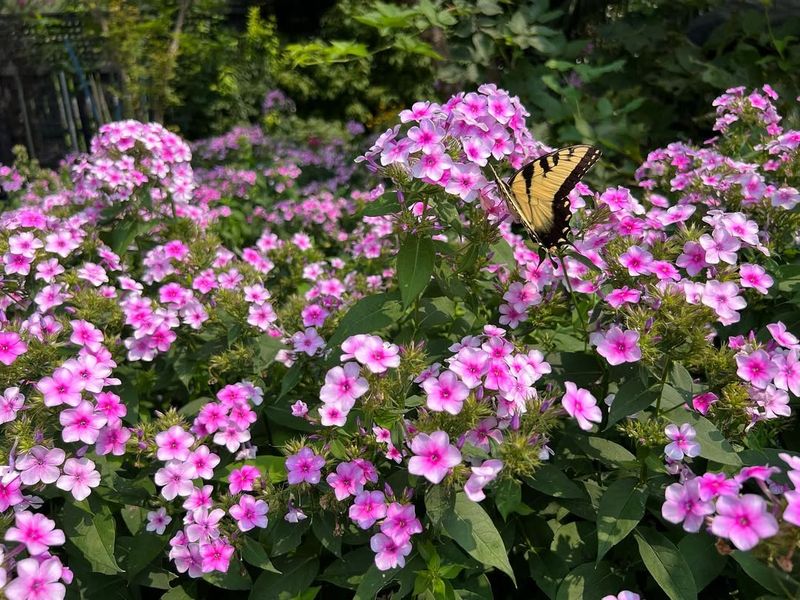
<point x="281" y="371"/>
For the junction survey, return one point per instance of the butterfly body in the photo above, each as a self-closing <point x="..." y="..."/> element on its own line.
<point x="538" y="192"/>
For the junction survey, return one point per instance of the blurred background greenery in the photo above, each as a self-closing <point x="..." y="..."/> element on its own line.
<point x="628" y="75"/>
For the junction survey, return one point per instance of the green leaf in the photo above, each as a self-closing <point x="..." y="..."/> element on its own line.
<point x="349" y="570"/>
<point x="254" y="553"/>
<point x="474" y="531"/>
<point x="770" y="578"/>
<point x="323" y="524"/>
<point x="137" y="552"/>
<point x="666" y="564"/>
<point x="699" y="550"/>
<point x="589" y="582"/>
<point x="385" y="205"/>
<point x="93" y="532"/>
<point x="550" y="480"/>
<point x="374" y="581"/>
<point x="619" y="512"/>
<point x="604" y="450"/>
<point x="631" y="398"/>
<point x="297" y="573"/>
<point x="508" y="496"/>
<point x="365" y="316"/>
<point x="713" y="444"/>
<point x="414" y="266"/>
<point x="438" y="503"/>
<point x="237" y="577"/>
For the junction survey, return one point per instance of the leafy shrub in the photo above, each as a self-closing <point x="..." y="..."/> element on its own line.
<point x="271" y="372"/>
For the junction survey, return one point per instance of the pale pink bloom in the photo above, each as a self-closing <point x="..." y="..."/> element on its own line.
<point x="684" y="505"/>
<point x="470" y="364"/>
<point x="308" y="341"/>
<point x="158" y="520"/>
<point x="757" y="472"/>
<point x="346" y="481"/>
<point x="755" y="277"/>
<point x="37" y="580"/>
<point x="744" y="520"/>
<point x="445" y="393"/>
<point x="775" y="402"/>
<point x="724" y="299"/>
<point x="17" y="264"/>
<point x="10" y="494"/>
<point x="110" y="405"/>
<point x="389" y="554"/>
<point x="299" y="409"/>
<point x="24" y="243"/>
<point x="79" y="478"/>
<point x="432" y="165"/>
<point x="40" y="464"/>
<point x="682" y="442"/>
<point x="11" y="402"/>
<point x="484" y="431"/>
<point x="174" y="480"/>
<point x="199" y="498"/>
<point x="243" y="479"/>
<point x="216" y="556"/>
<point x="623" y="595"/>
<point x="343" y="385"/>
<point x="204" y="525"/>
<point x="36" y="531"/>
<point x="86" y="334"/>
<point x="377" y="355"/>
<point x="756" y="368"/>
<point x="720" y="247"/>
<point x="482" y="476"/>
<point x="112" y="439"/>
<point x="331" y="415"/>
<point x="618" y="346"/>
<point x="305" y="466"/>
<point x="174" y="444"/>
<point x="787" y="376"/>
<point x="249" y="513"/>
<point x="434" y="456"/>
<point x="11" y="346"/>
<point x="367" y="508"/>
<point x="513" y="314"/>
<point x="401" y="522"/>
<point x="581" y="405"/>
<point x="782" y="336"/>
<point x="231" y="437"/>
<point x="81" y="424"/>
<point x="262" y="316"/>
<point x="791" y="513"/>
<point x="63" y="387"/>
<point x="187" y="558"/>
<point x="48" y="270"/>
<point x="693" y="258"/>
<point x="50" y="296"/>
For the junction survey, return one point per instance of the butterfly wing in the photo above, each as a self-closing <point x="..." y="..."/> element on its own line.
<point x="538" y="191"/>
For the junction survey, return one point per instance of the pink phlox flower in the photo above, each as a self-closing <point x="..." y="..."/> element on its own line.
<point x="112" y="439"/>
<point x="745" y="520"/>
<point x="401" y="522"/>
<point x="470" y="364"/>
<point x="40" y="464"/>
<point x="79" y="477"/>
<point x="388" y="553"/>
<point x="308" y="341"/>
<point x="623" y="295"/>
<point x="636" y="260"/>
<point x="756" y="368"/>
<point x="581" y="405"/>
<point x="250" y="513"/>
<point x="682" y="442"/>
<point x="174" y="480"/>
<point x="787" y="376"/>
<point x="711" y="485"/>
<point x="174" y="444"/>
<point x="11" y="346"/>
<point x="37" y="580"/>
<point x="346" y="481"/>
<point x="445" y="393"/>
<point x="35" y="531"/>
<point x="693" y="258"/>
<point x="305" y="466"/>
<point x="724" y="299"/>
<point x="480" y="477"/>
<point x="434" y="456"/>
<point x="158" y="520"/>
<point x="63" y="387"/>
<point x="199" y="498"/>
<point x="720" y="246"/>
<point x="204" y="525"/>
<point x="202" y="462"/>
<point x="755" y="277"/>
<point x="618" y="346"/>
<point x="702" y="402"/>
<point x="11" y="402"/>
<point x="782" y="336"/>
<point x="757" y="472"/>
<point x="343" y="385"/>
<point x="683" y="504"/>
<point x="216" y="556"/>
<point x="243" y="479"/>
<point x="81" y="423"/>
<point x="367" y="508"/>
<point x="377" y="355"/>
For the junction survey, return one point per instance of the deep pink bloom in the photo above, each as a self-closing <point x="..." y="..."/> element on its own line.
<point x="86" y="334"/>
<point x="711" y="485"/>
<point x="11" y="402"/>
<point x="367" y="508"/>
<point x="11" y="346"/>
<point x="388" y="553"/>
<point x="618" y="346"/>
<point x="36" y="531"/>
<point x="242" y="479"/>
<point x="636" y="260"/>
<point x="434" y="456"/>
<point x="756" y="368"/>
<point x="445" y="393"/>
<point x="755" y="277"/>
<point x="112" y="439"/>
<point x="744" y="520"/>
<point x="174" y="444"/>
<point x="37" y="580"/>
<point x="204" y="525"/>
<point x="623" y="295"/>
<point x="470" y="364"/>
<point x="63" y="387"/>
<point x="581" y="405"/>
<point x="216" y="556"/>
<point x="346" y="481"/>
<point x="684" y="505"/>
<point x="250" y="513"/>
<point x="702" y="402"/>
<point x="682" y="442"/>
<point x="304" y="466"/>
<point x="202" y="461"/>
